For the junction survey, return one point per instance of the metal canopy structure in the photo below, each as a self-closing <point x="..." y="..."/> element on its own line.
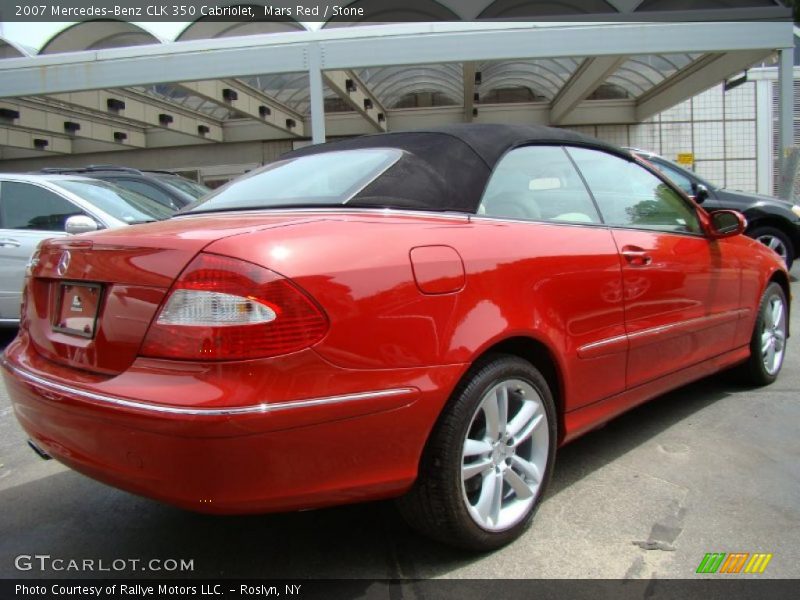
<point x="114" y="85"/>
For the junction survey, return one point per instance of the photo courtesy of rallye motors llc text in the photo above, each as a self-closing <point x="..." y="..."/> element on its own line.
<point x="141" y="590"/>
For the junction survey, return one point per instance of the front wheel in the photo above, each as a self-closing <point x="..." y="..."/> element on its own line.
<point x="489" y="458"/>
<point x="768" y="342"/>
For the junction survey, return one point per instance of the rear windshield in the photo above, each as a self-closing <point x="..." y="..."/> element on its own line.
<point x="326" y="179"/>
<point x="122" y="204"/>
<point x="187" y="186"/>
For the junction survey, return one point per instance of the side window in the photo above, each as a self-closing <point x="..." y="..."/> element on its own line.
<point x="681" y="180"/>
<point x="539" y="183"/>
<point x="145" y="189"/>
<point x="630" y="196"/>
<point x="28" y="206"/>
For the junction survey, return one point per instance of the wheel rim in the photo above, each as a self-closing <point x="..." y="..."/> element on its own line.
<point x="505" y="454"/>
<point x="773" y="334"/>
<point x="775" y="244"/>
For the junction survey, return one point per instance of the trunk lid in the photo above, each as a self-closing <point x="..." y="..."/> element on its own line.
<point x="90" y="298"/>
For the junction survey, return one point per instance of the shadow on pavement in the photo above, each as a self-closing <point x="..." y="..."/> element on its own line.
<point x="636" y="427"/>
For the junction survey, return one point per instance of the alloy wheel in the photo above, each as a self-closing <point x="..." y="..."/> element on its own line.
<point x="505" y="455"/>
<point x="773" y="334"/>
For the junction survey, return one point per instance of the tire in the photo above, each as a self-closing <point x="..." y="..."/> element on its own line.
<point x="768" y="342"/>
<point x="777" y="240"/>
<point x="517" y="452"/>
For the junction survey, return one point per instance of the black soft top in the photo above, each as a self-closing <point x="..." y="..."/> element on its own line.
<point x="446" y="168"/>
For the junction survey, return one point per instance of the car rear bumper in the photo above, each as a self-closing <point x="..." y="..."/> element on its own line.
<point x="260" y="457"/>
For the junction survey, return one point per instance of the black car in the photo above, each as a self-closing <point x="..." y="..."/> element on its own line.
<point x="173" y="191"/>
<point x="772" y="221"/>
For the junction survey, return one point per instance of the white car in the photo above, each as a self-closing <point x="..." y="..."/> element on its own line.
<point x="36" y="207"/>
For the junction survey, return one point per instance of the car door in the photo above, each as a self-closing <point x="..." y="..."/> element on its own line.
<point x="29" y="214"/>
<point x="681" y="289"/>
<point x="559" y="264"/>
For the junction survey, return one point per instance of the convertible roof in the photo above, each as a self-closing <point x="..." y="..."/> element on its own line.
<point x="446" y="168"/>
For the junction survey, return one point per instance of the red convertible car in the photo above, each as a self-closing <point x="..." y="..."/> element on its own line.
<point x="425" y="315"/>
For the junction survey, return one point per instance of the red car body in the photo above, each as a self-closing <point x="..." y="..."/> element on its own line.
<point x="410" y="300"/>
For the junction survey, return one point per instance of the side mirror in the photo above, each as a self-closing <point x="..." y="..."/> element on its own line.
<point x="80" y="224"/>
<point x="726" y="223"/>
<point x="700" y="192"/>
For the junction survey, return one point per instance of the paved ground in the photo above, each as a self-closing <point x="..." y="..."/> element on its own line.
<point x="711" y="467"/>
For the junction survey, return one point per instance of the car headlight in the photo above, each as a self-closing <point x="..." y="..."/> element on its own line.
<point x="796" y="209"/>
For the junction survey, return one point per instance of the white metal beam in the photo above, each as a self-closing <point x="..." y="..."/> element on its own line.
<point x="590" y="74"/>
<point x="417" y="43"/>
<point x="352" y="90"/>
<point x="769" y="73"/>
<point x="697" y="77"/>
<point x="785" y="108"/>
<point x="764" y="156"/>
<point x="316" y="98"/>
<point x="248" y="102"/>
<point x="542" y="41"/>
<point x="145" y="65"/>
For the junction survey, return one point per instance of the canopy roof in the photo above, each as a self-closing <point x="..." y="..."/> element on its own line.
<point x="258" y="80"/>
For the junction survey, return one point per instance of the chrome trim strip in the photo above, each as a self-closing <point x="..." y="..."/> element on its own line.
<point x="695" y="324"/>
<point x="491" y="219"/>
<point x="201" y="412"/>
<point x="604" y="347"/>
<point x="464" y="217"/>
<point x="640" y="338"/>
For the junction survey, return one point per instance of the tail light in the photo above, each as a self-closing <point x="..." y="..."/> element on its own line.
<point x="26" y="283"/>
<point x="223" y="308"/>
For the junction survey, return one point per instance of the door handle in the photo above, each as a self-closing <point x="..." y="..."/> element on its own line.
<point x="637" y="257"/>
<point x="9" y="243"/>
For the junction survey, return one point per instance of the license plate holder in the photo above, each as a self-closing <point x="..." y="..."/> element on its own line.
<point x="78" y="304"/>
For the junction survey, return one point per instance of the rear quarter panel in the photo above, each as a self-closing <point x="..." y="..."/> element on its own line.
<point x="558" y="284"/>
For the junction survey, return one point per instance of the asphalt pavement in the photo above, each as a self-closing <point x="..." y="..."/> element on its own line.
<point x="711" y="467"/>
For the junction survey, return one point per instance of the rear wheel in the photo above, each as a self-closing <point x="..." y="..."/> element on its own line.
<point x="768" y="343"/>
<point x="489" y="458"/>
<point x="777" y="241"/>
